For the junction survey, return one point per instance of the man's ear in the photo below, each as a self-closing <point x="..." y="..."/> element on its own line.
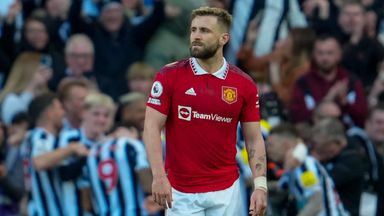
<point x="224" y="38"/>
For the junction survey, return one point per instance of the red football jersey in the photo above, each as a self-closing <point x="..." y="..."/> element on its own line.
<point x="203" y="111"/>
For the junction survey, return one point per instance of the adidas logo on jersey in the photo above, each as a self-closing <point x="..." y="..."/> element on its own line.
<point x="190" y="91"/>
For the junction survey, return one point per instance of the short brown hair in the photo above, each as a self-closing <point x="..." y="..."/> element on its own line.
<point x="330" y="127"/>
<point x="222" y="15"/>
<point x="140" y="70"/>
<point x="347" y="3"/>
<point x="67" y="84"/>
<point x="286" y="130"/>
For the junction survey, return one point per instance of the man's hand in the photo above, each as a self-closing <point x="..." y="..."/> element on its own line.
<point x="338" y="92"/>
<point x="79" y="149"/>
<point x="151" y="206"/>
<point x="258" y="203"/>
<point x="130" y="132"/>
<point x="162" y="191"/>
<point x="14" y="9"/>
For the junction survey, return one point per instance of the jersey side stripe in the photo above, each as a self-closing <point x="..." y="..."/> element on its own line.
<point x="95" y="181"/>
<point x="127" y="180"/>
<point x="119" y="190"/>
<point x="131" y="160"/>
<point x="38" y="195"/>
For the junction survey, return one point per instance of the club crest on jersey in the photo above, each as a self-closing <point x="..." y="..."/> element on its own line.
<point x="229" y="94"/>
<point x="157" y="89"/>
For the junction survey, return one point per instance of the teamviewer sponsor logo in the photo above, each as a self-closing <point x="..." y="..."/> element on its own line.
<point x="185" y="113"/>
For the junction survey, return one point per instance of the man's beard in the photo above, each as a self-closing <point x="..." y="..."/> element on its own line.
<point x="204" y="52"/>
<point x="326" y="69"/>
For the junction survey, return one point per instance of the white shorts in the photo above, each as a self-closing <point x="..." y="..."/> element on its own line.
<point x="226" y="202"/>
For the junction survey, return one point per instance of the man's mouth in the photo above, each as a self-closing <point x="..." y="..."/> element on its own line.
<point x="197" y="43"/>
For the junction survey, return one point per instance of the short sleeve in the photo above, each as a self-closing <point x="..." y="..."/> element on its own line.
<point x="141" y="156"/>
<point x="160" y="96"/>
<point x="42" y="144"/>
<point x="65" y="138"/>
<point x="250" y="109"/>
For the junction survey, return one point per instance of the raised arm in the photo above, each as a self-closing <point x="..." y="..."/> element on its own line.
<point x="161" y="188"/>
<point x="257" y="161"/>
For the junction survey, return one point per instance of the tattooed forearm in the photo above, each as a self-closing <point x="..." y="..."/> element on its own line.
<point x="260" y="165"/>
<point x="251" y="154"/>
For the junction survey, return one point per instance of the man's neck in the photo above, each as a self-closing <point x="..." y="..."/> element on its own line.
<point x="91" y="135"/>
<point x="73" y="121"/>
<point x="49" y="127"/>
<point x="329" y="76"/>
<point x="212" y="64"/>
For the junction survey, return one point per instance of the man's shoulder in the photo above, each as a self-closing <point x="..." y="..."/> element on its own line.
<point x="70" y="135"/>
<point x="175" y="66"/>
<point x="38" y="134"/>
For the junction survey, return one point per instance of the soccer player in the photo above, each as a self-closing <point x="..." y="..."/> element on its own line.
<point x="113" y="167"/>
<point x="200" y="101"/>
<point x="97" y="112"/>
<point x="307" y="181"/>
<point x="45" y="157"/>
<point x="118" y="172"/>
<point x="72" y="93"/>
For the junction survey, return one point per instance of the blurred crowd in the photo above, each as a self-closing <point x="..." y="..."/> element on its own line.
<point x="81" y="70"/>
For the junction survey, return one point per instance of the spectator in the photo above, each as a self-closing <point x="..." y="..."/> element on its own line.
<point x="79" y="58"/>
<point x="343" y="161"/>
<point x="98" y="110"/>
<point x="28" y="78"/>
<point x="117" y="43"/>
<point x="289" y="60"/>
<point x="6" y="48"/>
<point x="72" y="93"/>
<point x="173" y="31"/>
<point x="140" y="77"/>
<point x="243" y="13"/>
<point x="132" y="110"/>
<point x="322" y="15"/>
<point x="45" y="157"/>
<point x="57" y="12"/>
<point x="326" y="80"/>
<point x="136" y="10"/>
<point x="272" y="28"/>
<point x="374" y="127"/>
<point x="375" y="95"/>
<point x="374" y="13"/>
<point x="362" y="54"/>
<point x="11" y="171"/>
<point x="113" y="153"/>
<point x="309" y="183"/>
<point x="326" y="109"/>
<point x="36" y="37"/>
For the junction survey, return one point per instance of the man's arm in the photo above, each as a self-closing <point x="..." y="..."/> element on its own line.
<point x="51" y="159"/>
<point x="154" y="123"/>
<point x="86" y="200"/>
<point x="257" y="161"/>
<point x="255" y="148"/>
